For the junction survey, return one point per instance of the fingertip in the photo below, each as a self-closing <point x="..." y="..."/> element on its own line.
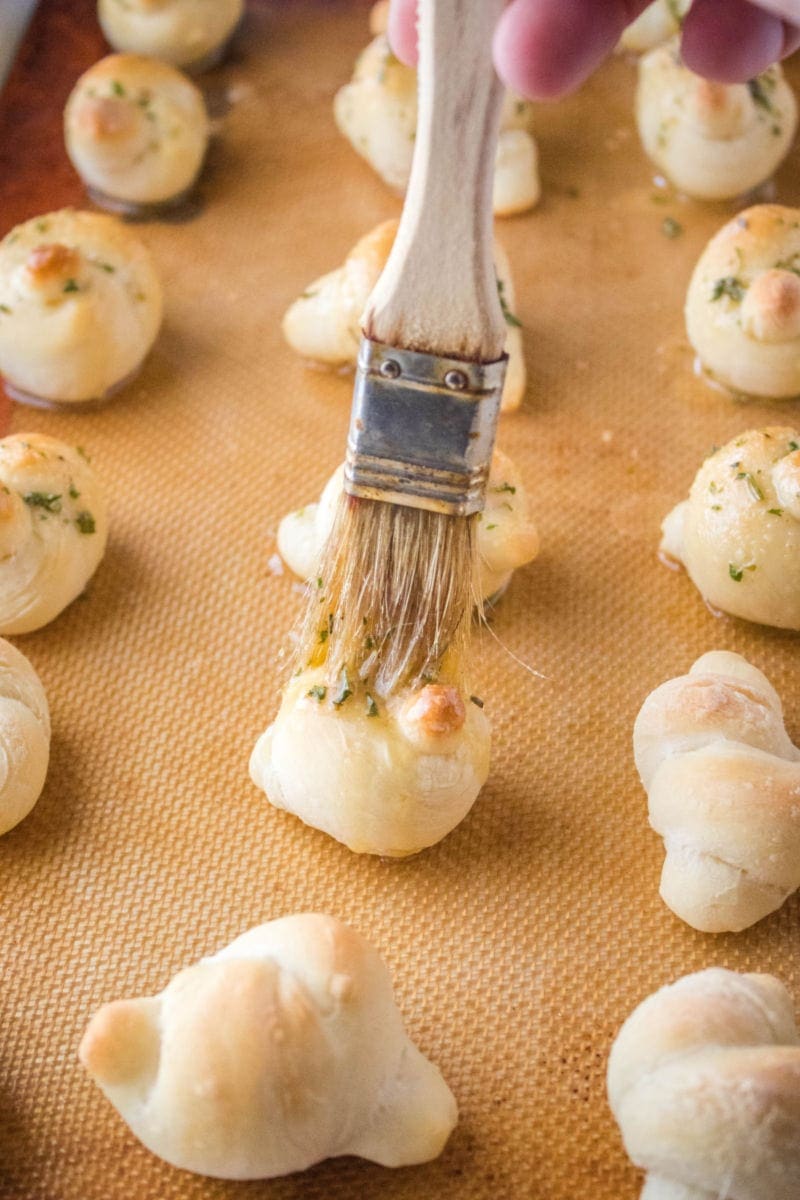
<point x="547" y="49"/>
<point x="731" y="41"/>
<point x="402" y="30"/>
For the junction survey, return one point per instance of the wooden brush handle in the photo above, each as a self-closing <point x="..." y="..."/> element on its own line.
<point x="438" y="291"/>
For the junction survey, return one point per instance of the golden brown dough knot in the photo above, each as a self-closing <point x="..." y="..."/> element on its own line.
<point x="723" y="785"/>
<point x="704" y="1082"/>
<point x="437" y="709"/>
<point x="377" y="113"/>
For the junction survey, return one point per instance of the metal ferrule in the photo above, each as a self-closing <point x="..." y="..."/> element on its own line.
<point x="422" y="429"/>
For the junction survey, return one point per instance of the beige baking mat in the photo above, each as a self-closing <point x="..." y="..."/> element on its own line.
<point x="520" y="943"/>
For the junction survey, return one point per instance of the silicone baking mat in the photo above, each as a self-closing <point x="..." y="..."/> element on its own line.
<point x="520" y="943"/>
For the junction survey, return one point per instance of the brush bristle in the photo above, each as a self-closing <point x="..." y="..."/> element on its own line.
<point x="393" y="598"/>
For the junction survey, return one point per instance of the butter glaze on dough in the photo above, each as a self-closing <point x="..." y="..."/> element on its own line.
<point x="390" y="781"/>
<point x="284" y="1048"/>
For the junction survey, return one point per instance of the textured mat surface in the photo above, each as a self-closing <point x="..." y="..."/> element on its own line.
<point x="520" y="943"/>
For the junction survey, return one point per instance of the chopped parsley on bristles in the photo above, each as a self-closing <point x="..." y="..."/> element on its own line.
<point x="345" y="690"/>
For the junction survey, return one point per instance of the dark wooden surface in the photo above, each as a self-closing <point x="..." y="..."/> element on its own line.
<point x="62" y="40"/>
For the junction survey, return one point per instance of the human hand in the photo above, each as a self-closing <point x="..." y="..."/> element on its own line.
<point x="544" y="48"/>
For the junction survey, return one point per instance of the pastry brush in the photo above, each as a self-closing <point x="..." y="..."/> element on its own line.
<point x="396" y="582"/>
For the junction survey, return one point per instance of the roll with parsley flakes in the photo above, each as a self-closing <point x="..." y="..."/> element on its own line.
<point x="80" y="308"/>
<point x="712" y="140"/>
<point x="53" y="529"/>
<point x="738" y="533"/>
<point x="136" y="131"/>
<point x="743" y="304"/>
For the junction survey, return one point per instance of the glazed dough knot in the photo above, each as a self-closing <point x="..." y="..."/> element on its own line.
<point x="704" y="1082"/>
<point x="384" y="776"/>
<point x="136" y="132"/>
<point x="53" y="529"/>
<point x="723" y="784"/>
<point x="24" y="736"/>
<point x="284" y="1048"/>
<point x="712" y="140"/>
<point x="80" y="307"/>
<point x="738" y="534"/>
<point x="743" y="303"/>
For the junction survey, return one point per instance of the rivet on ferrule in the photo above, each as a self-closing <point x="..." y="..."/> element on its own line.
<point x="390" y="369"/>
<point x="456" y="380"/>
